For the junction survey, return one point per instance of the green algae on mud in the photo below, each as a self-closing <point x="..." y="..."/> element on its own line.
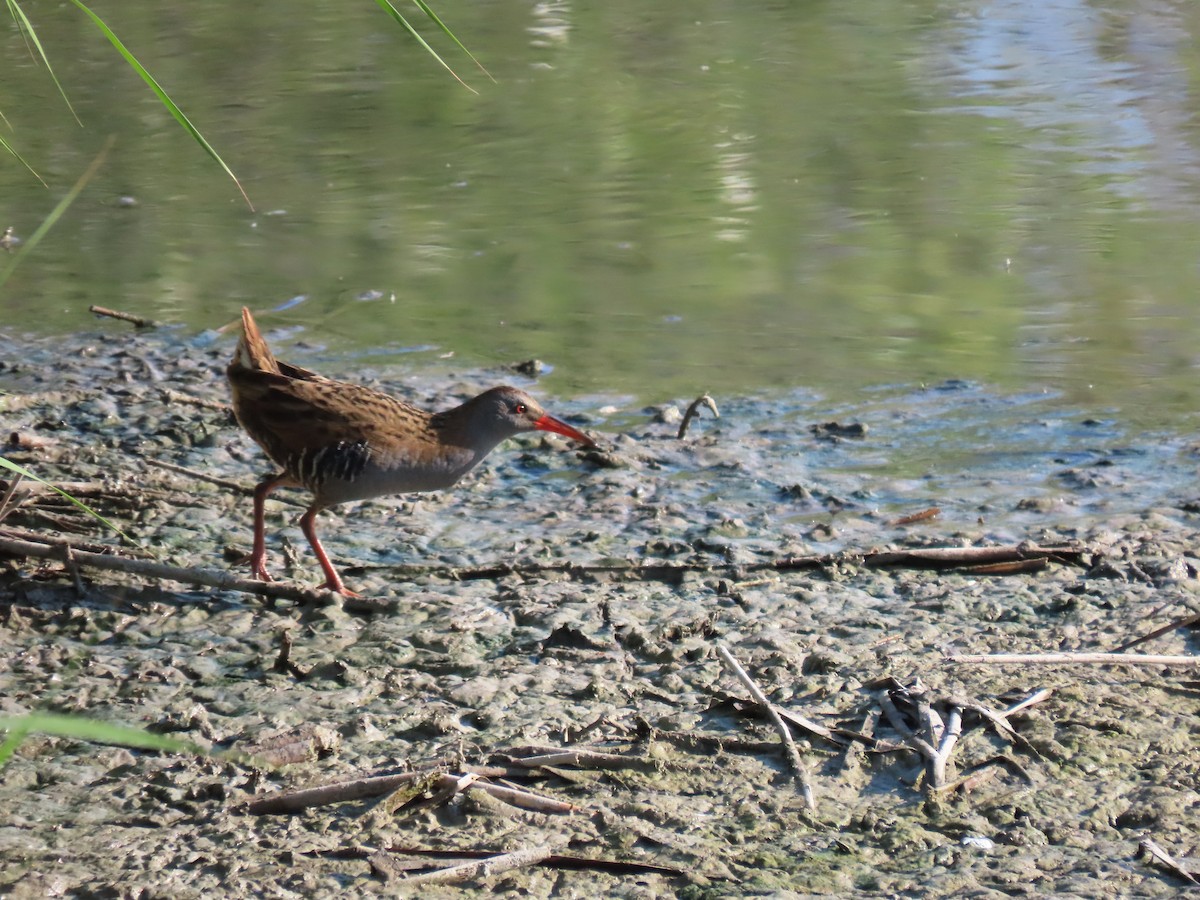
<point x="463" y="671"/>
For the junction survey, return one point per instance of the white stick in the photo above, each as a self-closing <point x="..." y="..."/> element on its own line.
<point x="798" y="767"/>
<point x="1090" y="659"/>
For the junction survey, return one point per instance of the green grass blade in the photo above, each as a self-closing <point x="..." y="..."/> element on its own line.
<point x="9" y="147"/>
<point x="395" y="14"/>
<point x="26" y="29"/>
<point x="162" y="96"/>
<point x="25" y="473"/>
<point x="16" y="734"/>
<point x="450" y="34"/>
<point x="56" y="213"/>
<point x="85" y="729"/>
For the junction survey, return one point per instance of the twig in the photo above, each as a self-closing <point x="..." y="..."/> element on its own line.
<point x="145" y="568"/>
<point x="914" y="740"/>
<point x="854" y="748"/>
<point x="40" y="548"/>
<point x="1147" y="847"/>
<point x="199" y="476"/>
<point x="950" y="736"/>
<point x="691" y="740"/>
<point x="942" y="737"/>
<point x="139" y="321"/>
<point x="694" y="409"/>
<point x="338" y="792"/>
<point x="970" y="781"/>
<point x="930" y="719"/>
<point x="925" y="514"/>
<point x="69" y="562"/>
<point x="1016" y="567"/>
<point x="78" y="489"/>
<point x="71" y="522"/>
<point x="418" y="857"/>
<point x="1087" y="659"/>
<point x="493" y="865"/>
<point x="7" y="503"/>
<point x="379" y="785"/>
<point x="818" y="730"/>
<point x="916" y="558"/>
<point x="999" y="720"/>
<point x="588" y="759"/>
<point x="37" y="537"/>
<point x="283" y="661"/>
<point x="793" y="755"/>
<point x="1185" y="622"/>
<point x="514" y="796"/>
<point x="236" y="486"/>
<point x="1036" y="697"/>
<point x="958" y="556"/>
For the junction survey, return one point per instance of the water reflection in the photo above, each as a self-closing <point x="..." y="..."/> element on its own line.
<point x="737" y="188"/>
<point x="1104" y="85"/>
<point x="551" y="26"/>
<point x="660" y="199"/>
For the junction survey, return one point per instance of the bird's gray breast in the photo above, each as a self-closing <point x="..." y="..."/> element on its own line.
<point x="345" y="471"/>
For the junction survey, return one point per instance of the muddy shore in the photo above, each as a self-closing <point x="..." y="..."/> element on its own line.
<point x="639" y="561"/>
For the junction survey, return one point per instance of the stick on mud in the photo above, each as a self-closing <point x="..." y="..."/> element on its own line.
<point x="1076" y="659"/>
<point x="798" y="768"/>
<point x="138" y="321"/>
<point x="703" y="400"/>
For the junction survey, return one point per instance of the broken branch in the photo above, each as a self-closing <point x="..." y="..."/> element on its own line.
<point x="694" y="409"/>
<point x="798" y="768"/>
<point x="1077" y="659"/>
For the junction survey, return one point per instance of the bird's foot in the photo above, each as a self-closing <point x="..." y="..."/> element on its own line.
<point x="338" y="588"/>
<point x="259" y="571"/>
<point x="258" y="567"/>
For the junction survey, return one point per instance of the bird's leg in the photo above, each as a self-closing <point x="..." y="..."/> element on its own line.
<point x="258" y="556"/>
<point x="333" y="582"/>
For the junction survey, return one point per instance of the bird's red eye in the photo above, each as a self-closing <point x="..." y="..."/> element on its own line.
<point x="520" y="409"/>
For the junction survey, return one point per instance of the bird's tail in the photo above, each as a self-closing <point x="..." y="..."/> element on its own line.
<point x="252" y="351"/>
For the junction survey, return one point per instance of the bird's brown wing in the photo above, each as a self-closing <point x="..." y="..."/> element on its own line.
<point x="288" y="414"/>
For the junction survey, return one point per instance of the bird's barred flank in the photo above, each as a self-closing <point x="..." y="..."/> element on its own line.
<point x="343" y="461"/>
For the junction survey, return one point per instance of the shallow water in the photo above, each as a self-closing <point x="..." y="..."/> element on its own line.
<point x="655" y="201"/>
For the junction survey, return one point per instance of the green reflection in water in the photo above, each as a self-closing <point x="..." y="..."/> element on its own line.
<point x="658" y="199"/>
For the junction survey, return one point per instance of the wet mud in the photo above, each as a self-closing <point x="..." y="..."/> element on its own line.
<point x="563" y="600"/>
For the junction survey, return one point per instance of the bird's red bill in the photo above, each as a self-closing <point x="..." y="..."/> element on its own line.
<point x="549" y="423"/>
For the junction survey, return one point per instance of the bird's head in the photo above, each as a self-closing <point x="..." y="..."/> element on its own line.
<point x="505" y="411"/>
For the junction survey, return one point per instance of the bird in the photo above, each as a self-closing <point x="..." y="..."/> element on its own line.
<point x="343" y="441"/>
